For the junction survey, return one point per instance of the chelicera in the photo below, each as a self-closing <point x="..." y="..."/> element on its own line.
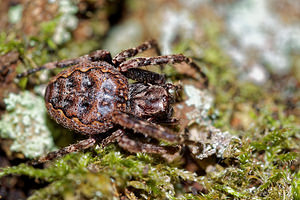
<point x="93" y="97"/>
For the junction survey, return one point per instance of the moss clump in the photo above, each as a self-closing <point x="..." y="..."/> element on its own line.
<point x="263" y="170"/>
<point x="107" y="174"/>
<point x="8" y="43"/>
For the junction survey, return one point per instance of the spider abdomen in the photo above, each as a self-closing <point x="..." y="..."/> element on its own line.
<point x="83" y="97"/>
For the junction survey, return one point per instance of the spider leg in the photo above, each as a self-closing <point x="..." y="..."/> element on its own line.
<point x="145" y="127"/>
<point x="171" y="121"/>
<point x="112" y="138"/>
<point x="81" y="145"/>
<point x="92" y="57"/>
<point x="144" y="76"/>
<point x="135" y="146"/>
<point x="161" y="60"/>
<point x="121" y="57"/>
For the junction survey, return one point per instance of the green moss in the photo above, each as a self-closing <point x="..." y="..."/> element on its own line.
<point x="262" y="171"/>
<point x="296" y="186"/>
<point x="106" y="174"/>
<point x="9" y="42"/>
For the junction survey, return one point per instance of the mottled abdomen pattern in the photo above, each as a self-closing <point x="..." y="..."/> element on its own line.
<point x="83" y="97"/>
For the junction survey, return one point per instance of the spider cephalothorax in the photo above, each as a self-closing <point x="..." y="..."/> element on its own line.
<point x="93" y="97"/>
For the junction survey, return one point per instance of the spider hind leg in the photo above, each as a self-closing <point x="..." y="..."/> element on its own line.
<point x="99" y="55"/>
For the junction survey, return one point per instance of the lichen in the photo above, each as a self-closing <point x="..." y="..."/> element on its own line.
<point x="201" y="100"/>
<point x="15" y="13"/>
<point x="67" y="21"/>
<point x="284" y="37"/>
<point x="25" y="123"/>
<point x="213" y="141"/>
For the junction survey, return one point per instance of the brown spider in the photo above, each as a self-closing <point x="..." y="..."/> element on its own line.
<point x="93" y="97"/>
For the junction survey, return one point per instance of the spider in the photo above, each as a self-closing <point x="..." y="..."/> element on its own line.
<point x="93" y="97"/>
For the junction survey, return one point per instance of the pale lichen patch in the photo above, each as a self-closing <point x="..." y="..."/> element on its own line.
<point x="201" y="100"/>
<point x="210" y="140"/>
<point x="25" y="124"/>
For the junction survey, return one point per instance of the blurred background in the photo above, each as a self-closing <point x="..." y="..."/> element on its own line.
<point x="260" y="37"/>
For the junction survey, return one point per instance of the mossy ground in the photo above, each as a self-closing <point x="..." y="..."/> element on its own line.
<point x="260" y="162"/>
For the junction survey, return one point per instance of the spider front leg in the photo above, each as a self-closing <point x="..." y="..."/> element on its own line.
<point x="113" y="137"/>
<point x="121" y="57"/>
<point x="145" y="127"/>
<point x="161" y="60"/>
<point x="99" y="55"/>
<point x="81" y="145"/>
